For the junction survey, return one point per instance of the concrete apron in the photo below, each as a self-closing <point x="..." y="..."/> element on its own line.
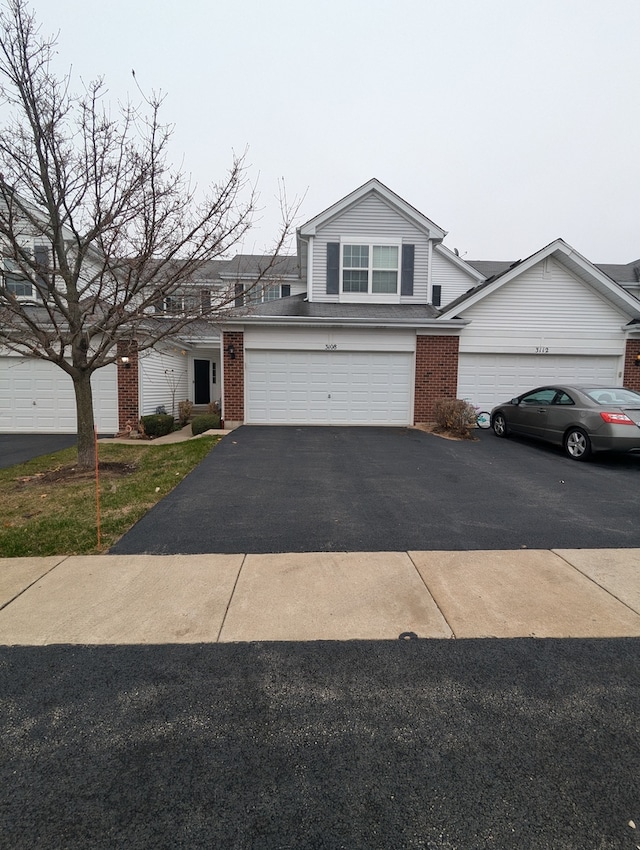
<point x="155" y="599"/>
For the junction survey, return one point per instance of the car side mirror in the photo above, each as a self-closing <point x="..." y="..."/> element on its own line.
<point x="515" y="401"/>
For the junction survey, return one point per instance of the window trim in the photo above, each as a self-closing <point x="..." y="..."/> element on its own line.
<point x="370" y="242"/>
<point x="244" y="298"/>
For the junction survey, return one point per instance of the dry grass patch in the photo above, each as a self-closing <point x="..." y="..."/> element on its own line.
<point x="48" y="506"/>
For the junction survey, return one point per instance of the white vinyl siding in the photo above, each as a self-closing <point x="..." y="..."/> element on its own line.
<point x="328" y="387"/>
<point x="319" y="339"/>
<point x="38" y="397"/>
<point x="366" y="221"/>
<point x="546" y="308"/>
<point x="452" y="279"/>
<point x="159" y="374"/>
<point x="489" y="379"/>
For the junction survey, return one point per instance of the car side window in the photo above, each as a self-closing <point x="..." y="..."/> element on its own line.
<point x="563" y="398"/>
<point x="545" y="396"/>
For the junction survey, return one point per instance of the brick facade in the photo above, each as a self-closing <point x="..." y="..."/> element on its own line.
<point x="233" y="377"/>
<point x="436" y="373"/>
<point x="128" y="391"/>
<point x="632" y="365"/>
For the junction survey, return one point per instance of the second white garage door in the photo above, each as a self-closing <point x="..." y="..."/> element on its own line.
<point x="488" y="379"/>
<point x="328" y="388"/>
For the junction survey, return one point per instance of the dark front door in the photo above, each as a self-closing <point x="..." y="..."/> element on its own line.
<point x="202" y="381"/>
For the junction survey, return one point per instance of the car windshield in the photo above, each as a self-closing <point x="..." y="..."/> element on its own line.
<point x="614" y="395"/>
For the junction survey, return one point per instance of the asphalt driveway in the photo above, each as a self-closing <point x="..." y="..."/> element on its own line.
<point x="19" y="448"/>
<point x="306" y="489"/>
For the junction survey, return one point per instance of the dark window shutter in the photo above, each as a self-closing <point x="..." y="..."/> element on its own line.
<point x="408" y="256"/>
<point x="285" y="290"/>
<point x="333" y="268"/>
<point x="239" y="295"/>
<point x="41" y="257"/>
<point x="436" y="295"/>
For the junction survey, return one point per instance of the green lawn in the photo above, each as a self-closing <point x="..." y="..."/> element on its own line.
<point x="48" y="508"/>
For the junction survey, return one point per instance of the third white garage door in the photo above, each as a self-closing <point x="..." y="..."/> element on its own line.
<point x="488" y="379"/>
<point x="328" y="388"/>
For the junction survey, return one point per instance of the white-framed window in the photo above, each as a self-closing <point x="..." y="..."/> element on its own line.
<point x="258" y="293"/>
<point x="19" y="285"/>
<point x="370" y="268"/>
<point x="182" y="304"/>
<point x="15" y="282"/>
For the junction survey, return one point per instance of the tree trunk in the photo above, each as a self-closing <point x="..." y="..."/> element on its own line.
<point x="84" y="408"/>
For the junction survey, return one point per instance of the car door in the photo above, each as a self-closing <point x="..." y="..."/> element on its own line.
<point x="561" y="413"/>
<point x="529" y="417"/>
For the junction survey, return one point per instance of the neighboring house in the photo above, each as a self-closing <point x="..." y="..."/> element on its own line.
<point x="370" y="323"/>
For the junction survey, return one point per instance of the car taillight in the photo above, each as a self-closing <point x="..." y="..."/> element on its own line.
<point x="616" y="418"/>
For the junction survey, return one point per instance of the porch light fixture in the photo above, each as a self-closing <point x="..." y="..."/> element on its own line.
<point x="231" y="351"/>
<point x="124" y="361"/>
<point x="637" y="359"/>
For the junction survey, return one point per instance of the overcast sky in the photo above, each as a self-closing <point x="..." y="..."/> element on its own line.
<point x="507" y="122"/>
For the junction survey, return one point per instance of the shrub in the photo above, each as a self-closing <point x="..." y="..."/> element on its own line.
<point x="213" y="407"/>
<point x="200" y="424"/>
<point x="456" y="416"/>
<point x="157" y="424"/>
<point x="185" y="409"/>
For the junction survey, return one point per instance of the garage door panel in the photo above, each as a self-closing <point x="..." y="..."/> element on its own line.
<point x="322" y="388"/>
<point x="488" y="379"/>
<point x="38" y="397"/>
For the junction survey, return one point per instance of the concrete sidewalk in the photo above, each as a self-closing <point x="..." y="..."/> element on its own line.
<point x="155" y="599"/>
<point x="174" y="437"/>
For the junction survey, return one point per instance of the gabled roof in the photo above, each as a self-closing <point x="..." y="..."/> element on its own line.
<point x="624" y="273"/>
<point x="254" y="265"/>
<point x="567" y="256"/>
<point x="373" y="187"/>
<point x="491" y="268"/>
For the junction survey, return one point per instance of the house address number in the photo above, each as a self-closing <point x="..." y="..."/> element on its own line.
<point x="542" y="349"/>
<point x="331" y="346"/>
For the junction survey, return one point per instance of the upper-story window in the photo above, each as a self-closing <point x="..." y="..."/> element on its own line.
<point x="372" y="269"/>
<point x="257" y="293"/>
<point x="182" y="304"/>
<point x="16" y="281"/>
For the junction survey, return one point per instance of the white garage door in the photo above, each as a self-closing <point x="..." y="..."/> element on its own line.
<point x="37" y="397"/>
<point x="488" y="379"/>
<point x="328" y="388"/>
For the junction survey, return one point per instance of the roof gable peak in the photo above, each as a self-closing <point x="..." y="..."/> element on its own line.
<point x="373" y="187"/>
<point x="571" y="259"/>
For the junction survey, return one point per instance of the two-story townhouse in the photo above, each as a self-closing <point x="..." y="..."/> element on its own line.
<point x="391" y="320"/>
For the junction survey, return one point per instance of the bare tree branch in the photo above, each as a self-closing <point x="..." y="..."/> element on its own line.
<point x="97" y="228"/>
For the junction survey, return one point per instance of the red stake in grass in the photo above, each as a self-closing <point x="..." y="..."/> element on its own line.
<point x="95" y="435"/>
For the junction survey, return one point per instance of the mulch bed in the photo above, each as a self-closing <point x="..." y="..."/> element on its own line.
<point x="73" y="473"/>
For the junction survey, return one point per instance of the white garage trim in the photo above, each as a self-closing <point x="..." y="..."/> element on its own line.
<point x="37" y="397"/>
<point x="328" y="387"/>
<point x="488" y="379"/>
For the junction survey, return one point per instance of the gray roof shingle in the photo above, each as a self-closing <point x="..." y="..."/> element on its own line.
<point x="296" y="306"/>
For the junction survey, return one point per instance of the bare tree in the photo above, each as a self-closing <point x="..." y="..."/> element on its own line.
<point x="96" y="227"/>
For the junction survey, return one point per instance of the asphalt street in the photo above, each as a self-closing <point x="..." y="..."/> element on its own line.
<point x="18" y="448"/>
<point x="305" y="489"/>
<point x="447" y="745"/>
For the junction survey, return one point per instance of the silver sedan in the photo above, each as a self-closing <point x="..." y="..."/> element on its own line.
<point x="582" y="419"/>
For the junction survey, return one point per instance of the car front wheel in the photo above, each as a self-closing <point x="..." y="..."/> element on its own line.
<point x="577" y="444"/>
<point x="500" y="425"/>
